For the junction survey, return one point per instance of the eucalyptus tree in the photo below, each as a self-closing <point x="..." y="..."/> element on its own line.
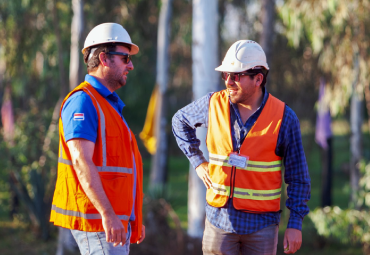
<point x="205" y="79"/>
<point x="268" y="14"/>
<point x="77" y="25"/>
<point x="158" y="173"/>
<point x="66" y="242"/>
<point x="336" y="30"/>
<point x="28" y="39"/>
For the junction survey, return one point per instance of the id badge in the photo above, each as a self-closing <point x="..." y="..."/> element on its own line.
<point x="237" y="160"/>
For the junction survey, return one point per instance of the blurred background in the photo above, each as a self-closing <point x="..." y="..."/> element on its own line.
<point x="318" y="53"/>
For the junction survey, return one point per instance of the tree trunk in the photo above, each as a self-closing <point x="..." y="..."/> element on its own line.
<point x="197" y="195"/>
<point x="326" y="173"/>
<point x="367" y="99"/>
<point x="63" y="84"/>
<point x="323" y="136"/>
<point x="66" y="242"/>
<point x="158" y="175"/>
<point x="205" y="79"/>
<point x="75" y="65"/>
<point x="268" y="29"/>
<point x="356" y="120"/>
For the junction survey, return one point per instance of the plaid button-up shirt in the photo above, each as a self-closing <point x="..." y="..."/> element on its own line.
<point x="289" y="146"/>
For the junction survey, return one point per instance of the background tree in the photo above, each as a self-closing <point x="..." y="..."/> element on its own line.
<point x="66" y="242"/>
<point x="158" y="175"/>
<point x="268" y="14"/>
<point x="336" y="32"/>
<point x="77" y="41"/>
<point x="205" y="80"/>
<point x="28" y="40"/>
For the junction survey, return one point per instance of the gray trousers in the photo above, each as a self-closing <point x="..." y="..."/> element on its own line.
<point x="218" y="242"/>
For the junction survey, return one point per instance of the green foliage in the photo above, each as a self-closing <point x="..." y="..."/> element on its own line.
<point x="4" y="177"/>
<point x="27" y="38"/>
<point x="336" y="32"/>
<point x="33" y="169"/>
<point x="349" y="226"/>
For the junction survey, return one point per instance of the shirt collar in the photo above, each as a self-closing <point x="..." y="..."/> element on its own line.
<point x="102" y="90"/>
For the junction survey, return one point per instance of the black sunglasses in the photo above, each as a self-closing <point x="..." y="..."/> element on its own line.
<point x="235" y="76"/>
<point x="126" y="59"/>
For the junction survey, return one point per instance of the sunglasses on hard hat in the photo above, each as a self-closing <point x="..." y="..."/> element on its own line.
<point x="126" y="59"/>
<point x="235" y="76"/>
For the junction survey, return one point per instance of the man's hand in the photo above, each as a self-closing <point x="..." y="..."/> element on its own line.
<point x="142" y="234"/>
<point x="292" y="240"/>
<point x="203" y="173"/>
<point x="114" y="230"/>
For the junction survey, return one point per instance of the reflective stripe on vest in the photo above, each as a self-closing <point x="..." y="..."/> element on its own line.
<point x="220" y="189"/>
<point x="257" y="194"/>
<point x="114" y="169"/>
<point x="257" y="166"/>
<point x="71" y="207"/>
<point x="87" y="216"/>
<point x="104" y="167"/>
<point x="256" y="185"/>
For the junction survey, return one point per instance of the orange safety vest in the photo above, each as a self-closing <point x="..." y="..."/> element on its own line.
<point x="256" y="185"/>
<point x="114" y="155"/>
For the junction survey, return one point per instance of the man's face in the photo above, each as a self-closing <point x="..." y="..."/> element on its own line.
<point x="242" y="91"/>
<point x="116" y="75"/>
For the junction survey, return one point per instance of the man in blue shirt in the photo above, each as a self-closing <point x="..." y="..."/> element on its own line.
<point x="107" y="54"/>
<point x="228" y="230"/>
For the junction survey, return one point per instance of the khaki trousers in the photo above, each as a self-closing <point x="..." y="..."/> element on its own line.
<point x="218" y="242"/>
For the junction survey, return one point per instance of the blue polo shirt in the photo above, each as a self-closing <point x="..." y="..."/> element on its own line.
<point x="80" y="102"/>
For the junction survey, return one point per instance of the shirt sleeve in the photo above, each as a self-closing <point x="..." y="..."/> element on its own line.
<point x="79" y="117"/>
<point x="296" y="174"/>
<point x="184" y="123"/>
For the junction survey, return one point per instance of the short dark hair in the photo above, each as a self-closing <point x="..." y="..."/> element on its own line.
<point x="262" y="71"/>
<point x="93" y="62"/>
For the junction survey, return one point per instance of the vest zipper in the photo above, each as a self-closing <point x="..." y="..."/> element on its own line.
<point x="232" y="181"/>
<point x="232" y="178"/>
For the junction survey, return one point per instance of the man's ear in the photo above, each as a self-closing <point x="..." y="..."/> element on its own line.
<point x="103" y="58"/>
<point x="259" y="79"/>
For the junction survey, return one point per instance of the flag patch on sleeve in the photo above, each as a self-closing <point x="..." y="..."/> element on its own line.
<point x="78" y="116"/>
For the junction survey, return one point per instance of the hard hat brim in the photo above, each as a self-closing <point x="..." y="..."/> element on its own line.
<point x="134" y="48"/>
<point x="238" y="68"/>
<point x="229" y="69"/>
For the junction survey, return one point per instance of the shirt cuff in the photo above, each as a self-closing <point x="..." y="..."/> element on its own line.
<point x="196" y="160"/>
<point x="295" y="222"/>
<point x="70" y="136"/>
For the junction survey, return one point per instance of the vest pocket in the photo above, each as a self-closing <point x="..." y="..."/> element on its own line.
<point x="118" y="189"/>
<point x="114" y="145"/>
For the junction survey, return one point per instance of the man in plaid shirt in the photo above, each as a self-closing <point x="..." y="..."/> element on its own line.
<point x="250" y="134"/>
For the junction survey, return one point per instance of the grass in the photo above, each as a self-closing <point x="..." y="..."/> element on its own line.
<point x="312" y="243"/>
<point x="176" y="192"/>
<point x="17" y="236"/>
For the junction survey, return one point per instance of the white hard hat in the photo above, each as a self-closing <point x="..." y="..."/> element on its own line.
<point x="109" y="33"/>
<point x="243" y="55"/>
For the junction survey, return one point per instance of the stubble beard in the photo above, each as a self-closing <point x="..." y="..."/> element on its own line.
<point x="241" y="97"/>
<point x="115" y="84"/>
<point x="233" y="99"/>
<point x="115" y="79"/>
